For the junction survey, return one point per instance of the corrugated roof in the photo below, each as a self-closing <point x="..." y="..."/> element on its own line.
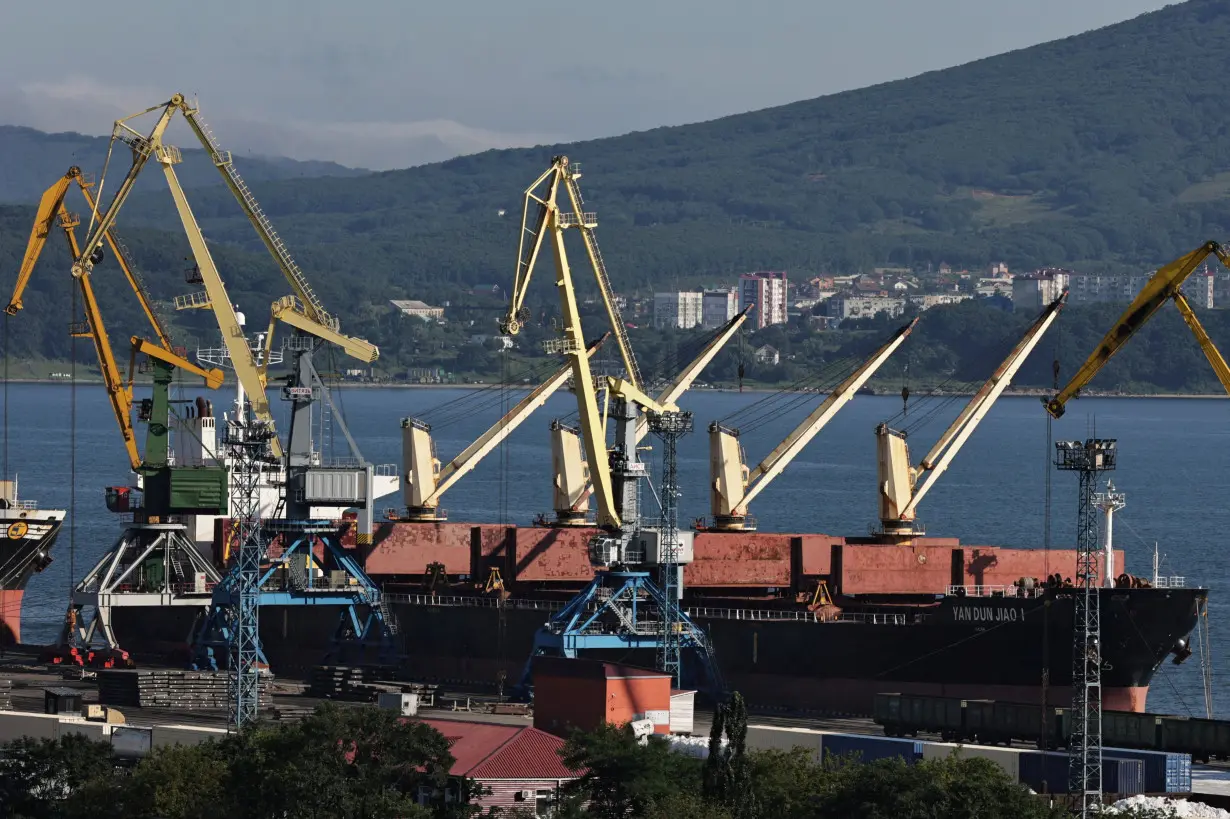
<point x="486" y="751"/>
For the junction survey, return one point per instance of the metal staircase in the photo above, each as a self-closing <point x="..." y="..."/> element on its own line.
<point x="223" y="160"/>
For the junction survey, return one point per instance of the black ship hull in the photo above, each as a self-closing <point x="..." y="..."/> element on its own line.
<point x="25" y="548"/>
<point x="995" y="647"/>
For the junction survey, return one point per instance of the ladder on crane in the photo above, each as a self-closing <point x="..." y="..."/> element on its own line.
<point x="223" y="160"/>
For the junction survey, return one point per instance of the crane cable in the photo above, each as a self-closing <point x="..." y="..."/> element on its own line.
<point x="5" y="474"/>
<point x="72" y="445"/>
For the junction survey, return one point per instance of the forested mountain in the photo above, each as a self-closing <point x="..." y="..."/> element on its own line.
<point x="31" y="160"/>
<point x="1105" y="151"/>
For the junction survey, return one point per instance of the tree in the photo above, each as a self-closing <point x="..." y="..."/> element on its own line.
<point x="728" y="772"/>
<point x="622" y="777"/>
<point x="953" y="788"/>
<point x="39" y="777"/>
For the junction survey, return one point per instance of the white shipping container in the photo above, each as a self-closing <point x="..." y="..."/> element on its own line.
<point x="405" y="704"/>
<point x="184" y="735"/>
<point x="336" y="485"/>
<point x="683" y="712"/>
<point x="131" y="741"/>
<point x="99" y="731"/>
<point x="1008" y="759"/>
<point x="18" y="724"/>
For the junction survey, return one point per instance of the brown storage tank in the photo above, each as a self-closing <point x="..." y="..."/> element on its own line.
<point x="584" y="694"/>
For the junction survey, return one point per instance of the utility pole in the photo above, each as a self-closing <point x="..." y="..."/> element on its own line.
<point x="248" y="444"/>
<point x="670" y="427"/>
<point x="1088" y="460"/>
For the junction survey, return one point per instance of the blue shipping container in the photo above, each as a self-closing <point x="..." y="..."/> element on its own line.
<point x="869" y="748"/>
<point x="1164" y="772"/>
<point x="1048" y="773"/>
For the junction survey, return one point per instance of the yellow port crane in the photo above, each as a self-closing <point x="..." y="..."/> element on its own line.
<point x="543" y="217"/>
<point x="302" y="310"/>
<point x="1163" y="285"/>
<point x="732" y="486"/>
<point x="900" y="493"/>
<point x="119" y="391"/>
<point x="542" y="198"/>
<point x="152" y="145"/>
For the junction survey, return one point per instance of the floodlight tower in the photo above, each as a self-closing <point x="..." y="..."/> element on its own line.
<point x="670" y="427"/>
<point x="1088" y="459"/>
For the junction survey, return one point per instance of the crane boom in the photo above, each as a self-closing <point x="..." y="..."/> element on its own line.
<point x="213" y="376"/>
<point x="142" y="147"/>
<point x="781" y="456"/>
<point x="426" y="482"/>
<point x="585" y="223"/>
<point x="289" y="310"/>
<point x="683" y="381"/>
<point x="1206" y="344"/>
<point x="313" y="308"/>
<point x="960" y="431"/>
<point x="1164" y="285"/>
<point x="50" y="205"/>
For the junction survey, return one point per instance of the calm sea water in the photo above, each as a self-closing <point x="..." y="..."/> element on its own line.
<point x="1172" y="457"/>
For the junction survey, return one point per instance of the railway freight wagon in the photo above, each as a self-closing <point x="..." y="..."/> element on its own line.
<point x="993" y="722"/>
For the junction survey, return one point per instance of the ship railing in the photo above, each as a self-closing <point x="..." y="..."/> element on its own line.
<point x="994" y="591"/>
<point x="473" y="601"/>
<point x="1172" y="582"/>
<point x="873" y="618"/>
<point x="27" y="505"/>
<point x="176" y="589"/>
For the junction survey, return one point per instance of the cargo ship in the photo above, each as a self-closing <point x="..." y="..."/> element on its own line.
<point x="805" y="622"/>
<point x="29" y="535"/>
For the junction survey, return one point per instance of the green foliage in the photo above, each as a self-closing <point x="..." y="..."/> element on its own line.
<point x="953" y="788"/>
<point x="39" y="778"/>
<point x="622" y="777"/>
<point x="338" y="763"/>
<point x="727" y="779"/>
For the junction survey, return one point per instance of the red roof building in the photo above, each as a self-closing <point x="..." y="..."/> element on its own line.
<point x="520" y="765"/>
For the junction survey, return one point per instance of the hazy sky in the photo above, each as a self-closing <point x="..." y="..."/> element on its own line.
<point x="390" y="83"/>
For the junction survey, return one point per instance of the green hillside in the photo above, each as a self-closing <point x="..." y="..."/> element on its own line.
<point x="1108" y="150"/>
<point x="33" y="159"/>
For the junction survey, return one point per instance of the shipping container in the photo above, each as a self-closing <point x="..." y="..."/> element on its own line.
<point x="683" y="712"/>
<point x="784" y="739"/>
<point x="18" y="724"/>
<point x="184" y="735"/>
<point x="1164" y="772"/>
<point x="1049" y="772"/>
<point x="97" y="731"/>
<point x="130" y="742"/>
<point x="335" y="485"/>
<point x="1006" y="759"/>
<point x="867" y="748"/>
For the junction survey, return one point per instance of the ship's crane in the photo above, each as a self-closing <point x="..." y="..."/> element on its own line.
<point x="145" y="146"/>
<point x="900" y="493"/>
<point x="425" y="480"/>
<point x="1165" y="284"/>
<point x="571" y="488"/>
<point x="119" y="392"/>
<point x="733" y="487"/>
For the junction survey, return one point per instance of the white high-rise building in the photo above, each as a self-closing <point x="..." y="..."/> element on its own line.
<point x="681" y="309"/>
<point x="767" y="290"/>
